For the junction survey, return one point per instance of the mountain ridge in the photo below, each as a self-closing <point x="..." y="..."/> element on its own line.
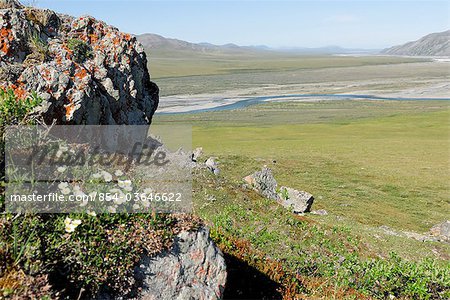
<point x="433" y="44"/>
<point x="156" y="41"/>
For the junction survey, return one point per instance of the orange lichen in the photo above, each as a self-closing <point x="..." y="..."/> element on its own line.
<point x="69" y="110"/>
<point x="19" y="92"/>
<point x="116" y="41"/>
<point x="93" y="38"/>
<point x="5" y="38"/>
<point x="82" y="73"/>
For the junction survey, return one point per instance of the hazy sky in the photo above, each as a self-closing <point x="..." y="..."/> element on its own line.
<point x="360" y="24"/>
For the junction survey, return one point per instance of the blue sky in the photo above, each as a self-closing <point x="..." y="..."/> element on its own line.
<point x="355" y="24"/>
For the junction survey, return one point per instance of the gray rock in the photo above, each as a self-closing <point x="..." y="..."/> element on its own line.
<point x="86" y="71"/>
<point x="193" y="269"/>
<point x="196" y="154"/>
<point x="320" y="212"/>
<point x="441" y="230"/>
<point x="10" y="4"/>
<point x="212" y="165"/>
<point x="297" y="201"/>
<point x="263" y="182"/>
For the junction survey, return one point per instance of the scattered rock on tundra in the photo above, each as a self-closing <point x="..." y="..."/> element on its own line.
<point x="297" y="201"/>
<point x="212" y="165"/>
<point x="196" y="154"/>
<point x="320" y="212"/>
<point x="263" y="182"/>
<point x="441" y="230"/>
<point x="193" y="269"/>
<point x="86" y="71"/>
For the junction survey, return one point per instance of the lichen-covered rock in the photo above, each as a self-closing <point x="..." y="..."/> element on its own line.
<point x="86" y="71"/>
<point x="193" y="269"/>
<point x="263" y="182"/>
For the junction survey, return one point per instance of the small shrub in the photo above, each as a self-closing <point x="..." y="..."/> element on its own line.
<point x="39" y="48"/>
<point x="81" y="50"/>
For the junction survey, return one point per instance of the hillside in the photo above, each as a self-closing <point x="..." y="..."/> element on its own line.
<point x="434" y="44"/>
<point x="158" y="42"/>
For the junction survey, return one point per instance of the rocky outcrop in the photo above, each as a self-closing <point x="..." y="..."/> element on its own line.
<point x="86" y="71"/>
<point x="193" y="269"/>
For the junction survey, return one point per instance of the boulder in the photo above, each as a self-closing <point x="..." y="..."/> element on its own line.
<point x="263" y="182"/>
<point x="212" y="165"/>
<point x="441" y="230"/>
<point x="320" y="212"/>
<point x="193" y="269"/>
<point x="196" y="154"/>
<point x="297" y="201"/>
<point x="86" y="71"/>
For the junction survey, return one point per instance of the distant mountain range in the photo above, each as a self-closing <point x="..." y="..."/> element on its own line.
<point x="435" y="44"/>
<point x="155" y="41"/>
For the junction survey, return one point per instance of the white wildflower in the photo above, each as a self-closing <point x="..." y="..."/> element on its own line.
<point x="71" y="225"/>
<point x="125" y="184"/>
<point x="91" y="213"/>
<point x="136" y="206"/>
<point x="96" y="175"/>
<point x="106" y="176"/>
<point x="118" y="173"/>
<point x="63" y="185"/>
<point x="112" y="209"/>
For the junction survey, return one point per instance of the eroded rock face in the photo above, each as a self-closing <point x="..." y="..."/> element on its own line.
<point x="193" y="269"/>
<point x="86" y="71"/>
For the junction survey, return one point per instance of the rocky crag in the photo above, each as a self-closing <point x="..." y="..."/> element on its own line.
<point x="86" y="71"/>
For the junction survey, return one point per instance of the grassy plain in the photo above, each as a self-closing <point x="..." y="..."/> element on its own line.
<point x="368" y="163"/>
<point x="171" y="63"/>
<point x="195" y="73"/>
